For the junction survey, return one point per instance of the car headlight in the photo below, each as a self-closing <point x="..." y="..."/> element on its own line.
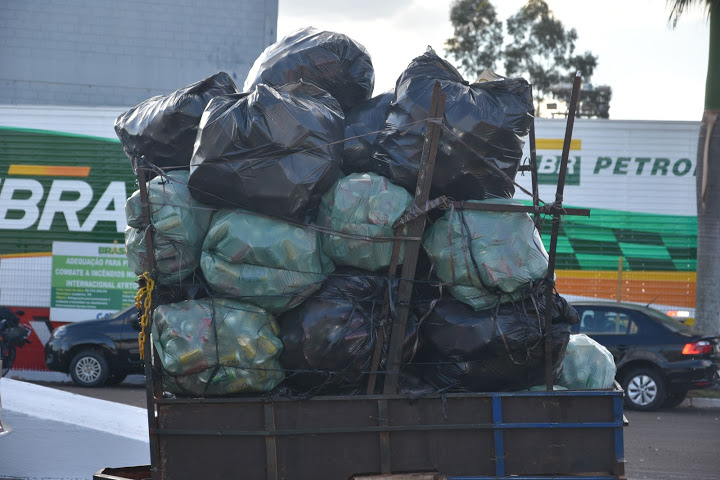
<point x="59" y="332"/>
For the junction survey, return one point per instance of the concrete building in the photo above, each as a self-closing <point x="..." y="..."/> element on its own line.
<point x="108" y="53"/>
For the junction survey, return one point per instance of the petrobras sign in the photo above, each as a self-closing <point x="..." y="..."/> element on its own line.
<point x="626" y="166"/>
<point x="27" y="204"/>
<point x="56" y="186"/>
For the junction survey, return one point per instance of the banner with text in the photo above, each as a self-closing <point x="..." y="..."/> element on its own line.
<point x="89" y="281"/>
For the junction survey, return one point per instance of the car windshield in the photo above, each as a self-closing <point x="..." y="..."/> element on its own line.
<point x="672" y="324"/>
<point x="122" y="313"/>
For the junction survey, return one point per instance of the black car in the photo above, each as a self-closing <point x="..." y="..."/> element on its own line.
<point x="97" y="352"/>
<point x="658" y="358"/>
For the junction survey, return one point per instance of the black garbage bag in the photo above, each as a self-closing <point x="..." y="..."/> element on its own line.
<point x="492" y="350"/>
<point x="332" y="61"/>
<point x="479" y="153"/>
<point x="362" y="125"/>
<point x="163" y="128"/>
<point x="329" y="339"/>
<point x="192" y="287"/>
<point x="274" y="150"/>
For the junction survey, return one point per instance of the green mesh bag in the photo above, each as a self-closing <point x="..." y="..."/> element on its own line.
<point x="180" y="222"/>
<point x="362" y="205"/>
<point x="263" y="261"/>
<point x="486" y="257"/>
<point x="587" y="365"/>
<point x="217" y="347"/>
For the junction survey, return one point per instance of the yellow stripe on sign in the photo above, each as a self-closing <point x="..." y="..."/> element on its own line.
<point x="26" y="255"/>
<point x="556" y="144"/>
<point x="48" y="171"/>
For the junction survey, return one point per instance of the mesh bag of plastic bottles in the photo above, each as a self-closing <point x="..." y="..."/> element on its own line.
<point x="486" y="124"/>
<point x="180" y="223"/>
<point x="486" y="257"/>
<point x="163" y="128"/>
<point x="273" y="150"/>
<point x="217" y="347"/>
<point x="363" y="207"/>
<point x="263" y="261"/>
<point x="332" y="61"/>
<point x="587" y="365"/>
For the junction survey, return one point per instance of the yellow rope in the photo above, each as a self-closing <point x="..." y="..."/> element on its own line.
<point x="143" y="300"/>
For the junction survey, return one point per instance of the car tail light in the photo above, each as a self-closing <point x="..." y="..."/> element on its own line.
<point x="697" y="348"/>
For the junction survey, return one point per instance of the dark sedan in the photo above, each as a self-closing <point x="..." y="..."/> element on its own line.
<point x="97" y="352"/>
<point x="658" y="358"/>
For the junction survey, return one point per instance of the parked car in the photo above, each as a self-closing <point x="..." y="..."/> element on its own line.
<point x="658" y="358"/>
<point x="97" y="352"/>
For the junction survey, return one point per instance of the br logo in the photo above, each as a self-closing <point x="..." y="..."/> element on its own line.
<point x="549" y="169"/>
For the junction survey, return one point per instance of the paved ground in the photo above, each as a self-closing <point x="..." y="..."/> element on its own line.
<point x="680" y="443"/>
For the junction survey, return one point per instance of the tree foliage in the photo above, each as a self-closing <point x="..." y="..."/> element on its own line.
<point x="538" y="47"/>
<point x="478" y="36"/>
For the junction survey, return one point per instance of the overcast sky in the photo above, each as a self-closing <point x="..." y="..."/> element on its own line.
<point x="656" y="73"/>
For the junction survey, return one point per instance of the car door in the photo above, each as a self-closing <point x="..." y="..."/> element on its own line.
<point x="613" y="327"/>
<point x="128" y="346"/>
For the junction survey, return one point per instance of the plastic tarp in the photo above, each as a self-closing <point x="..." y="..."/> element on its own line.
<point x="491" y="350"/>
<point x="273" y="150"/>
<point x="486" y="257"/>
<point x="362" y="206"/>
<point x="180" y="223"/>
<point x="263" y="261"/>
<point x="587" y="365"/>
<point x="330" y="338"/>
<point x="362" y="125"/>
<point x="217" y="347"/>
<point x="332" y="61"/>
<point x="479" y="153"/>
<point x="163" y="128"/>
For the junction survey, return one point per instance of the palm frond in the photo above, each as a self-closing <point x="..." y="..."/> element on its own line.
<point x="679" y="6"/>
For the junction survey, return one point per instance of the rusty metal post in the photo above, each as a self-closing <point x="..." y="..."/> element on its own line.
<point x="412" y="250"/>
<point x="555" y="230"/>
<point x="415" y="230"/>
<point x="152" y="384"/>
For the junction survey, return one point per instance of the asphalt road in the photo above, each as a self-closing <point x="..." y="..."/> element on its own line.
<point x="680" y="443"/>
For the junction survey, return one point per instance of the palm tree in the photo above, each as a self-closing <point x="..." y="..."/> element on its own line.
<point x="707" y="304"/>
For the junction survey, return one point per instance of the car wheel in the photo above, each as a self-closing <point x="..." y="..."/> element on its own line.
<point x="115" y="379"/>
<point x="89" y="369"/>
<point x="674" y="399"/>
<point x="644" y="389"/>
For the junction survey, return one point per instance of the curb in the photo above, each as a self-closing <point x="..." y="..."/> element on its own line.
<point x="700" y="402"/>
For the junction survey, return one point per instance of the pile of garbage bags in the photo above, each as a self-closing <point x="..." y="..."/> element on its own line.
<point x="274" y="212"/>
